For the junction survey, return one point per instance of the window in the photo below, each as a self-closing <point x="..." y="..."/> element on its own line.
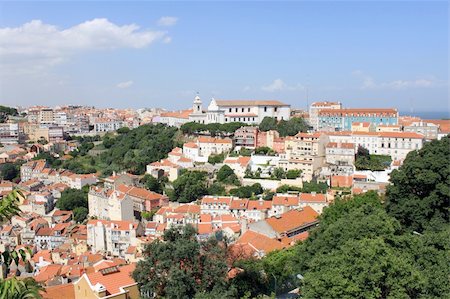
<point x="265" y="109"/>
<point x="229" y="110"/>
<point x="242" y="109"/>
<point x="275" y="109"/>
<point x="248" y="110"/>
<point x="236" y="109"/>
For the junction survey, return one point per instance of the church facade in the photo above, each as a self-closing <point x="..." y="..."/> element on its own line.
<point x="246" y="111"/>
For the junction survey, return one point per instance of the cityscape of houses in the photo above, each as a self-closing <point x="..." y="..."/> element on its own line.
<point x="94" y="258"/>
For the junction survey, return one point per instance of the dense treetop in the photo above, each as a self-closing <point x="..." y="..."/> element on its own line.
<point x="419" y="194"/>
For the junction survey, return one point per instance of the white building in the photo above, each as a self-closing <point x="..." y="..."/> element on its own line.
<point x="108" y="204"/>
<point x="107" y="125"/>
<point x="203" y="147"/>
<point x="246" y="111"/>
<point x="9" y="133"/>
<point x="112" y="237"/>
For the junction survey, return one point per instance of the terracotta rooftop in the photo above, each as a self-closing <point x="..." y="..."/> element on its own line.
<point x="292" y="219"/>
<point x="113" y="281"/>
<point x="260" y="242"/>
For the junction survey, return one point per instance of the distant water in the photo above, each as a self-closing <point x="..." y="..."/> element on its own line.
<point x="427" y="114"/>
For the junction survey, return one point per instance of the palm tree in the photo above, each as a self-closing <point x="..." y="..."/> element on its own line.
<point x="9" y="206"/>
<point x="14" y="288"/>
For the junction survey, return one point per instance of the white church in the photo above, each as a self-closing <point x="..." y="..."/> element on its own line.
<point x="246" y="111"/>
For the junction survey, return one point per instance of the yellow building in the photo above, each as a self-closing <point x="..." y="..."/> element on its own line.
<point x="112" y="282"/>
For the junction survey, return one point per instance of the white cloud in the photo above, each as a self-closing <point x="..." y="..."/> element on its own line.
<point x="279" y="85"/>
<point x="125" y="84"/>
<point x="367" y="82"/>
<point x="167" y="39"/>
<point x="35" y="45"/>
<point x="167" y="21"/>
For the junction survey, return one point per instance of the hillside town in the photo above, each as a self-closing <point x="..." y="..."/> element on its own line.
<point x="259" y="186"/>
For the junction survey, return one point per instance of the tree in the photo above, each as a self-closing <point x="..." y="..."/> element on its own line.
<point x="226" y="175"/>
<point x="292" y="174"/>
<point x="80" y="214"/>
<point x="189" y="186"/>
<point x="13" y="288"/>
<point x="8" y="171"/>
<point x="214" y="159"/>
<point x="279" y="173"/>
<point x="181" y="267"/>
<point x="372" y="270"/>
<point x="267" y="124"/>
<point x="419" y="194"/>
<point x="216" y="189"/>
<point x="247" y="191"/>
<point x="73" y="198"/>
<point x="152" y="184"/>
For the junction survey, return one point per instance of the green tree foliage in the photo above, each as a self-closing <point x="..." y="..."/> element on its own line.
<point x="214" y="159"/>
<point x="123" y="130"/>
<point x="279" y="173"/>
<point x="13" y="288"/>
<point x="292" y="174"/>
<point x="73" y="198"/>
<point x="364" y="161"/>
<point x="308" y="187"/>
<point x="247" y="191"/>
<point x="181" y="267"/>
<point x="226" y="175"/>
<point x="283" y="127"/>
<point x="5" y="111"/>
<point x="265" y="150"/>
<point x="153" y="184"/>
<point x="216" y="189"/>
<point x="80" y="214"/>
<point x="419" y="194"/>
<point x="51" y="160"/>
<point x="189" y="186"/>
<point x="9" y="171"/>
<point x="131" y="150"/>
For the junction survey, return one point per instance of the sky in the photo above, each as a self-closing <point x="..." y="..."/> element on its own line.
<point x="159" y="54"/>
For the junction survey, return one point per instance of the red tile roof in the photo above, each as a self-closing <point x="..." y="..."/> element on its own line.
<point x="113" y="281"/>
<point x="292" y="219"/>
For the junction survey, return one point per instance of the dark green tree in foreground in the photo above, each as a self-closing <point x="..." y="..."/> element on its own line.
<point x="419" y="194"/>
<point x="226" y="175"/>
<point x="182" y="267"/>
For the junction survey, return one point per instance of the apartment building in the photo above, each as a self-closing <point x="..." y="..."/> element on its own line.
<point x="246" y="137"/>
<point x="109" y="204"/>
<point x="203" y="147"/>
<point x="342" y="119"/>
<point x="107" y="125"/>
<point x="306" y="151"/>
<point x="427" y="129"/>
<point x="9" y="133"/>
<point x="112" y="237"/>
<point x="316" y="107"/>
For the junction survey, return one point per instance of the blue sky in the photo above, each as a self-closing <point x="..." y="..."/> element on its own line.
<point x="364" y="54"/>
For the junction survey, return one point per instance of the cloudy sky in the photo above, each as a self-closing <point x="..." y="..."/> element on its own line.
<point x="156" y="54"/>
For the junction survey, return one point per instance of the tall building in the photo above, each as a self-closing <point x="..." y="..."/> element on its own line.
<point x="316" y="107"/>
<point x="342" y="119"/>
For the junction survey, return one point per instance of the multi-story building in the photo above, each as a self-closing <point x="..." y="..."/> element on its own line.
<point x="246" y="137"/>
<point x="306" y="151"/>
<point x="316" y="107"/>
<point x="46" y="117"/>
<point x="9" y="133"/>
<point x="203" y="147"/>
<point x="109" y="204"/>
<point x="428" y="129"/>
<point x="246" y="111"/>
<point x="340" y="153"/>
<point x="112" y="237"/>
<point x="342" y="119"/>
<point x="107" y="125"/>
<point x="32" y="169"/>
